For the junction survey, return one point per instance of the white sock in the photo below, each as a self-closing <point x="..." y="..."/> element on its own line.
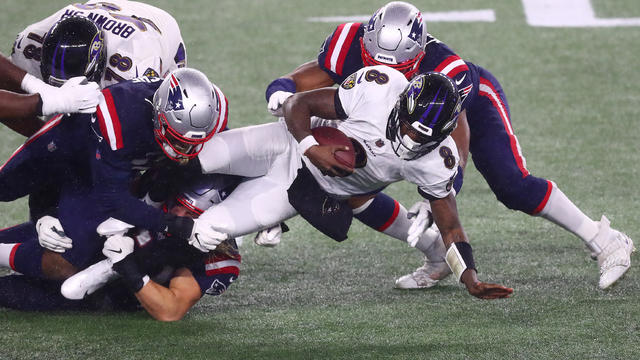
<point x="5" y="254"/>
<point x="399" y="230"/>
<point x="563" y="212"/>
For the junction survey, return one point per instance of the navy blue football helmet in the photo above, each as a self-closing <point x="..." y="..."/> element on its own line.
<point x="424" y="115"/>
<point x="74" y="46"/>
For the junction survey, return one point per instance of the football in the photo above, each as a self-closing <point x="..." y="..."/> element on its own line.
<point x="326" y="135"/>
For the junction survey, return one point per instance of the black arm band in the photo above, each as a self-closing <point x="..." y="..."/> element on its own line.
<point x="39" y="106"/>
<point x="460" y="258"/>
<point x="131" y="275"/>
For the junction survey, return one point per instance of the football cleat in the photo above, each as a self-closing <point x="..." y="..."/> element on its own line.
<point x="88" y="281"/>
<point x="426" y="276"/>
<point x="615" y="258"/>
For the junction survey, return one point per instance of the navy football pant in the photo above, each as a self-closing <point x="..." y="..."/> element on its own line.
<point x="496" y="152"/>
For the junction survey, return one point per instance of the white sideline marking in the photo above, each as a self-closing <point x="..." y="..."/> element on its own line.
<point x="569" y="13"/>
<point x="446" y="16"/>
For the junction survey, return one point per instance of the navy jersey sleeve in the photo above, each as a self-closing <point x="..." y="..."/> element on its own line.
<point x="439" y="57"/>
<point x="125" y="144"/>
<point x="340" y="54"/>
<point x="216" y="273"/>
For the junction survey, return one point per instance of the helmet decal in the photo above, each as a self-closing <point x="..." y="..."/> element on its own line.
<point x="94" y="53"/>
<point x="174" y="100"/>
<point x="414" y="91"/>
<point x="416" y="28"/>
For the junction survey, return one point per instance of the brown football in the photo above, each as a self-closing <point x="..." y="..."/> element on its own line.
<point x="326" y="135"/>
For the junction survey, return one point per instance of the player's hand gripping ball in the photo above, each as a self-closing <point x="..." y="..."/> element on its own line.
<point x="326" y="135"/>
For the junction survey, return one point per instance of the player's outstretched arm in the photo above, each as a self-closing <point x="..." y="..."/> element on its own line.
<point x="459" y="253"/>
<point x="10" y="75"/>
<point x="461" y="136"/>
<point x="307" y="76"/>
<point x="164" y="304"/>
<point x="170" y="303"/>
<point x="298" y="110"/>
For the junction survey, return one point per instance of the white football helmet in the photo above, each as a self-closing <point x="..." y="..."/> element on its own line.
<point x="395" y="36"/>
<point x="188" y="111"/>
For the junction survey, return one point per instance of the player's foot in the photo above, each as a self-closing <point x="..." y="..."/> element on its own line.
<point x="615" y="258"/>
<point x="426" y="276"/>
<point x="88" y="281"/>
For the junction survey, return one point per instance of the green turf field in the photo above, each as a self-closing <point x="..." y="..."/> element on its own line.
<point x="574" y="98"/>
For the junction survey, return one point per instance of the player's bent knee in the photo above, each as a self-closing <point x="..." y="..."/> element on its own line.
<point x="522" y="194"/>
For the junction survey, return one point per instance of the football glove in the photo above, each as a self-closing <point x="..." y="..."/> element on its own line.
<point x="276" y="100"/>
<point x="204" y="237"/>
<point x="113" y="226"/>
<point x="269" y="237"/>
<point x="76" y="95"/>
<point x="117" y="247"/>
<point x="51" y="235"/>
<point x="420" y="212"/>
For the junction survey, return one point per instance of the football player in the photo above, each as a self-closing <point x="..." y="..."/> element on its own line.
<point x="133" y="39"/>
<point x="139" y="123"/>
<point x="180" y="274"/>
<point x="396" y="36"/>
<point x="108" y="42"/>
<point x="403" y="129"/>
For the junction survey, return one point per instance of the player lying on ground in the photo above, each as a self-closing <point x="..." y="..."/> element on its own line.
<point x="166" y="275"/>
<point x="404" y="130"/>
<point x="396" y="36"/>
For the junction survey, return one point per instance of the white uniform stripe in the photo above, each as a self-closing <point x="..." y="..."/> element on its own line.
<point x="454" y="64"/>
<point x="505" y="118"/>
<point x="221" y="264"/>
<point x="108" y="123"/>
<point x="223" y="109"/>
<point x="335" y="54"/>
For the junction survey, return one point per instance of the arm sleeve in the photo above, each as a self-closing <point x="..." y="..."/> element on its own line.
<point x="111" y="183"/>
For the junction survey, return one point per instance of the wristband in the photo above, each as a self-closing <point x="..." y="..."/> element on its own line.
<point x="32" y="84"/>
<point x="280" y="84"/>
<point x="306" y="143"/>
<point x="460" y="258"/>
<point x="131" y="275"/>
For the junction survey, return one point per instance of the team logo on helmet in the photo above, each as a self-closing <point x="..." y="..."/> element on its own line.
<point x="416" y="28"/>
<point x="349" y="82"/>
<point x="414" y="91"/>
<point x="94" y="52"/>
<point x="174" y="100"/>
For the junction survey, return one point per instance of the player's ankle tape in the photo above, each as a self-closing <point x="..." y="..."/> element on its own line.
<point x="131" y="275"/>
<point x="460" y="258"/>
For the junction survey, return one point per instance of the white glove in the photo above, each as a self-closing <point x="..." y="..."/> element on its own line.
<point x="117" y="247"/>
<point x="420" y="212"/>
<point x="51" y="235"/>
<point x="113" y="226"/>
<point x="269" y="237"/>
<point x="76" y="95"/>
<point x="276" y="100"/>
<point x="204" y="237"/>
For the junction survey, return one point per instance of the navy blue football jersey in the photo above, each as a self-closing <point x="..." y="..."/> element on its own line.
<point x="341" y="55"/>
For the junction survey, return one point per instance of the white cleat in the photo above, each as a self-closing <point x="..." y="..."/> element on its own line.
<point x="88" y="281"/>
<point x="426" y="276"/>
<point x="615" y="258"/>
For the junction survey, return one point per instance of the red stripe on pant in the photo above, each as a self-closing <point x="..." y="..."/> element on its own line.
<point x="396" y="210"/>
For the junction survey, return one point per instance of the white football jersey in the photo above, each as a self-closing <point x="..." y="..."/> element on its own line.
<point x="367" y="97"/>
<point x="140" y="39"/>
